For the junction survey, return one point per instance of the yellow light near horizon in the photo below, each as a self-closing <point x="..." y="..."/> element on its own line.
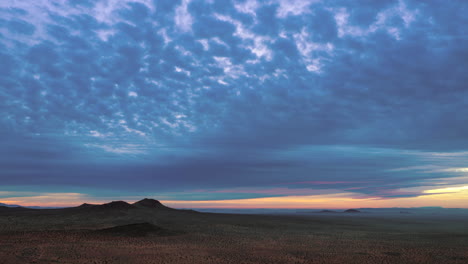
<point x="10" y="201"/>
<point x="447" y="190"/>
<point x="460" y="170"/>
<point x="451" y="197"/>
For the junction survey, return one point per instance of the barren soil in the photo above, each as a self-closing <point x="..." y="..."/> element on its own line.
<point x="175" y="236"/>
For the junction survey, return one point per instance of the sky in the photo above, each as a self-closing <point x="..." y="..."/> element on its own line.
<point x="234" y="103"/>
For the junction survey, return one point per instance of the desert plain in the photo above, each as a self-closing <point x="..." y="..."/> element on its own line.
<point x="149" y="232"/>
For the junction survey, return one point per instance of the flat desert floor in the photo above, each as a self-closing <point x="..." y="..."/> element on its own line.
<point x="151" y="235"/>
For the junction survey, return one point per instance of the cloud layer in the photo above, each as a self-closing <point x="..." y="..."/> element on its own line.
<point x="233" y="99"/>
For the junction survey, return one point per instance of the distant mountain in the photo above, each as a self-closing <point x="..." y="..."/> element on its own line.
<point x="13" y="209"/>
<point x="417" y="210"/>
<point x="121" y="205"/>
<point x="31" y="207"/>
<point x="145" y="203"/>
<point x="151" y="203"/>
<point x="86" y="205"/>
<point x="114" y="205"/>
<point x="9" y="205"/>
<point x="352" y="211"/>
<point x="42" y="207"/>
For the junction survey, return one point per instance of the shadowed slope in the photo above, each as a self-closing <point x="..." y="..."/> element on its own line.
<point x="137" y="229"/>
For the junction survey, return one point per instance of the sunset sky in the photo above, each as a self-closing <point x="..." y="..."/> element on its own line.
<point x="235" y="104"/>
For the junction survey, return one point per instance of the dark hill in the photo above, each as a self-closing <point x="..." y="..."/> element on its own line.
<point x="151" y="203"/>
<point x="115" y="205"/>
<point x="13" y="209"/>
<point x="139" y="229"/>
<point x="86" y="205"/>
<point x="121" y="205"/>
<point x="327" y="211"/>
<point x="352" y="211"/>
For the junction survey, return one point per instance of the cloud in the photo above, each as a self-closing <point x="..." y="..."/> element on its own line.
<point x="391" y="20"/>
<point x="294" y="7"/>
<point x="234" y="94"/>
<point x="182" y="18"/>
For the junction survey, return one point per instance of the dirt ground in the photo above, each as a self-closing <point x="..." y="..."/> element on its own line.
<point x="73" y="237"/>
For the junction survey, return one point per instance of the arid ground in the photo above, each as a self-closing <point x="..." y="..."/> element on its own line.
<point x="148" y="232"/>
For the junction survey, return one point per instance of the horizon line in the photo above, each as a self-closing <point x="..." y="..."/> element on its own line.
<point x="239" y="208"/>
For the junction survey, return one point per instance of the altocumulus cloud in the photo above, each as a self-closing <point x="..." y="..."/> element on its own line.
<point x="239" y="99"/>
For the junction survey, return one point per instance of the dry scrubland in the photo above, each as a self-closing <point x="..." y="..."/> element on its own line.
<point x="174" y="236"/>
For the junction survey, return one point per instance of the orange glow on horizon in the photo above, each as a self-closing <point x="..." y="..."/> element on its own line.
<point x="456" y="198"/>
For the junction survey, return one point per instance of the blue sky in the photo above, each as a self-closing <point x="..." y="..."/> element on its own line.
<point x="221" y="100"/>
